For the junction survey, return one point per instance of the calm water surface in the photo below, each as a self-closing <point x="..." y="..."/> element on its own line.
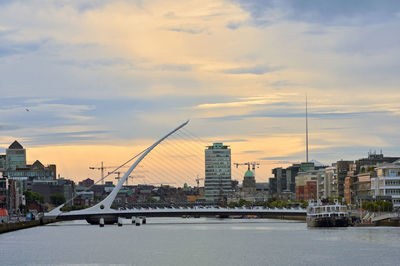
<point x="176" y="241"/>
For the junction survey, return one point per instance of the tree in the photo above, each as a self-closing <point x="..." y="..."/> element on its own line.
<point x="72" y="208"/>
<point x="243" y="202"/>
<point x="31" y="197"/>
<point x="379" y="205"/>
<point x="57" y="199"/>
<point x="232" y="205"/>
<point x="304" y="204"/>
<point x="151" y="200"/>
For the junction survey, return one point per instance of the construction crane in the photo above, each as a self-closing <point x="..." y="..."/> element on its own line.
<point x="198" y="181"/>
<point x="252" y="164"/>
<point x="118" y="173"/>
<point x="118" y="177"/>
<point x="134" y="177"/>
<point x="102" y="168"/>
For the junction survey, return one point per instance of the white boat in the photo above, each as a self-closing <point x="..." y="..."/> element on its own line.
<point x="327" y="215"/>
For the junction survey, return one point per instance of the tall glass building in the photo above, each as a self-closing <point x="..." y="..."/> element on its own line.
<point x="217" y="183"/>
<point x="15" y="156"/>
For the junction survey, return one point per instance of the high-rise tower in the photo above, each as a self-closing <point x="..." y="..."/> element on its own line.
<point x="217" y="182"/>
<point x="15" y="156"/>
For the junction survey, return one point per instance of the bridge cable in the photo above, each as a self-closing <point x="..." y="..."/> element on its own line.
<point x="109" y="173"/>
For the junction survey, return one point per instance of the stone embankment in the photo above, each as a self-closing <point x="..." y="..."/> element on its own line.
<point x="285" y="217"/>
<point x="8" y="227"/>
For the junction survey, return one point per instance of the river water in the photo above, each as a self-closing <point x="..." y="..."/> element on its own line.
<point x="203" y="241"/>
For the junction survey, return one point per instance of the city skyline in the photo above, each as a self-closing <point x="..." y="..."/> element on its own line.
<point x="96" y="81"/>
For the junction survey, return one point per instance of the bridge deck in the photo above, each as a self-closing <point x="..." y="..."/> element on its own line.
<point x="206" y="212"/>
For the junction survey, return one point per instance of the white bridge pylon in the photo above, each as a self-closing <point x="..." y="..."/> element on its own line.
<point x="105" y="205"/>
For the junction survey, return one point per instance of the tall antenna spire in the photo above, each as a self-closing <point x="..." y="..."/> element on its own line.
<point x="306" y="130"/>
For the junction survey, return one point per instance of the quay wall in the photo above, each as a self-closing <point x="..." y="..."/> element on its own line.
<point x="9" y="227"/>
<point x="388" y="222"/>
<point x="285" y="217"/>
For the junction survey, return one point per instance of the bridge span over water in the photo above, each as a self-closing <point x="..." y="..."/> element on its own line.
<point x="102" y="211"/>
<point x="111" y="216"/>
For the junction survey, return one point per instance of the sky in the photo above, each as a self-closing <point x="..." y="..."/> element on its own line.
<point x="89" y="81"/>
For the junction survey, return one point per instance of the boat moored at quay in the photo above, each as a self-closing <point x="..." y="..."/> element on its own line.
<point x="327" y="215"/>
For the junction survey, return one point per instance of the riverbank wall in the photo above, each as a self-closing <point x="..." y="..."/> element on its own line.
<point x="285" y="217"/>
<point x="388" y="222"/>
<point x="9" y="227"/>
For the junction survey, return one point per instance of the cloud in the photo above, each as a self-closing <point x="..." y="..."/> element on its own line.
<point x="255" y="70"/>
<point x="111" y="72"/>
<point x="54" y="138"/>
<point x="299" y="114"/>
<point x="43" y="115"/>
<point x="187" y="30"/>
<point x="174" y="67"/>
<point x="233" y="140"/>
<point x="339" y="12"/>
<point x="275" y="158"/>
<point x="39" y="100"/>
<point x="233" y="25"/>
<point x="5" y="2"/>
<point x="9" y="48"/>
<point x="88" y="5"/>
<point x="9" y="127"/>
<point x="230" y="104"/>
<point x="98" y="62"/>
<point x="283" y="162"/>
<point x="283" y="83"/>
<point x="252" y="151"/>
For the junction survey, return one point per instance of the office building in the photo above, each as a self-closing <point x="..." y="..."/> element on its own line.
<point x="15" y="156"/>
<point x="217" y="182"/>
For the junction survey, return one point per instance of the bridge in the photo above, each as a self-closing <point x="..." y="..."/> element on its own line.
<point x="103" y="213"/>
<point x="385" y="216"/>
<point x="111" y="216"/>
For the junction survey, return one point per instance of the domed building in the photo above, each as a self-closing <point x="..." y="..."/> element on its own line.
<point x="249" y="183"/>
<point x="250" y="190"/>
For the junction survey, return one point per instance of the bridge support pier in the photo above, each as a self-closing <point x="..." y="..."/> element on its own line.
<point x="107" y="219"/>
<point x="119" y="221"/>
<point x="137" y="221"/>
<point x="101" y="222"/>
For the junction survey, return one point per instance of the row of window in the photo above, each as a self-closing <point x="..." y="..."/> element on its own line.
<point x="392" y="182"/>
<point x="392" y="191"/>
<point x="222" y="164"/>
<point x="226" y="182"/>
<point x="217" y="173"/>
<point x="28" y="173"/>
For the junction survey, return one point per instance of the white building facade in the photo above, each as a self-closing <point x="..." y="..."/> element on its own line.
<point x="387" y="183"/>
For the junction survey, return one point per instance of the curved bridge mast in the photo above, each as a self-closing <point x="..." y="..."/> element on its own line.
<point x="105" y="204"/>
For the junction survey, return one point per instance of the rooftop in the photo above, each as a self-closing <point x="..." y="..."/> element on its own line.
<point x="16" y="146"/>
<point x="249" y="174"/>
<point x="218" y="145"/>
